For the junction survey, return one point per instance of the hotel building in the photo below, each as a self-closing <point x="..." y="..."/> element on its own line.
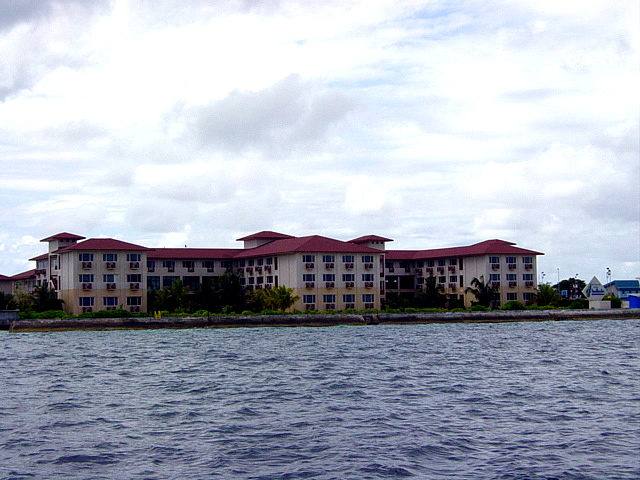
<point x="326" y="274"/>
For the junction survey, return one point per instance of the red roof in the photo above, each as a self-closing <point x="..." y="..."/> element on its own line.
<point x="24" y="275"/>
<point x="63" y="236"/>
<point x="488" y="247"/>
<point x="103" y="244"/>
<point x="193" y="253"/>
<point x="4" y="277"/>
<point x="266" y="235"/>
<point x="39" y="257"/>
<point x="370" y="238"/>
<point x="311" y="244"/>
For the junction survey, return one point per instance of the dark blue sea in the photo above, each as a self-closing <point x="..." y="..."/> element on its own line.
<point x="538" y="400"/>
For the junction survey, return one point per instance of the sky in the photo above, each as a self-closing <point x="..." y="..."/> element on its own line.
<point x="434" y="123"/>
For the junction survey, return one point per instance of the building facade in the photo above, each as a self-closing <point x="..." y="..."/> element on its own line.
<point x="326" y="274"/>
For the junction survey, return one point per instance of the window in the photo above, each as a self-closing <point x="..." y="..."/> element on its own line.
<point x="134" y="277"/>
<point x="442" y="279"/>
<point x="367" y="258"/>
<point x="133" y="257"/>
<point x="348" y="277"/>
<point x="308" y="258"/>
<point x="526" y="296"/>
<point x="511" y="277"/>
<point x="349" y="298"/>
<point x="348" y="258"/>
<point x="208" y="264"/>
<point x="225" y="263"/>
<point x="453" y="278"/>
<point x="442" y="262"/>
<point x="328" y="258"/>
<point x="109" y="278"/>
<point x="328" y="277"/>
<point x="85" y="301"/>
<point x="241" y="263"/>
<point x="109" y="257"/>
<point x="269" y="261"/>
<point x="167" y="281"/>
<point x="188" y="264"/>
<point x="169" y="264"/>
<point x="250" y="262"/>
<point x="368" y="298"/>
<point x="419" y="264"/>
<point x="309" y="277"/>
<point x="329" y="299"/>
<point x="367" y="277"/>
<point x="494" y="277"/>
<point x="270" y="279"/>
<point x="527" y="276"/>
<point x="134" y="301"/>
<point x="430" y="263"/>
<point x="512" y="297"/>
<point x="261" y="261"/>
<point x="453" y="261"/>
<point x="151" y="265"/>
<point x="252" y="280"/>
<point x="309" y="298"/>
<point x="494" y="259"/>
<point x="85" y="257"/>
<point x="109" y="301"/>
<point x="388" y="264"/>
<point x="259" y="280"/>
<point x="510" y="260"/>
<point x="153" y="283"/>
<point x="85" y="278"/>
<point x="527" y="259"/>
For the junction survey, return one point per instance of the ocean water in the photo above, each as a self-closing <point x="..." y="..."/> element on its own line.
<point x="538" y="400"/>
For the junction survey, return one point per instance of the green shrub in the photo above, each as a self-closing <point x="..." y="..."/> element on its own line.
<point x="579" y="304"/>
<point x="51" y="314"/>
<point x="480" y="308"/>
<point x="513" y="305"/>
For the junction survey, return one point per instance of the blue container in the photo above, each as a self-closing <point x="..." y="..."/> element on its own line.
<point x="634" y="301"/>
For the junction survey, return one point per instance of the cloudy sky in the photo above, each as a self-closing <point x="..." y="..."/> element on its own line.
<point x="435" y="123"/>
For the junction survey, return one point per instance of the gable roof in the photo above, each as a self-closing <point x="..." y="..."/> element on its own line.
<point x="310" y="244"/>
<point x="39" y="257"/>
<point x="265" y="235"/>
<point x="103" y="244"/>
<point x="24" y="275"/>
<point x="192" y="253"/>
<point x="488" y="247"/>
<point x="63" y="236"/>
<point x="370" y="238"/>
<point x="4" y="278"/>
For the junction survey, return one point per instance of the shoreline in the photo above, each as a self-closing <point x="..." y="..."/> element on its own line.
<point x="315" y="320"/>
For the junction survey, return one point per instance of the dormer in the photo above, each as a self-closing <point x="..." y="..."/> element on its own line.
<point x="260" y="238"/>
<point x="371" y="241"/>
<point x="61" y="240"/>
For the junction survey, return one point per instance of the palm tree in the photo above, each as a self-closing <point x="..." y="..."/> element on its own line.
<point x="484" y="292"/>
<point x="280" y="298"/>
<point x="44" y="299"/>
<point x="7" y="301"/>
<point x="546" y="295"/>
<point x="431" y="296"/>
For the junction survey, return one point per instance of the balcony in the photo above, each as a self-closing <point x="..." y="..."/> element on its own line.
<point x="87" y="286"/>
<point x="368" y="284"/>
<point x="330" y="306"/>
<point x="391" y="270"/>
<point x="495" y="266"/>
<point x="419" y="272"/>
<point x="134" y="265"/>
<point x="368" y="266"/>
<point x="267" y="268"/>
<point x="209" y="269"/>
<point x="440" y="269"/>
<point x="309" y="265"/>
<point x="429" y="270"/>
<point x="513" y="284"/>
<point x="330" y="284"/>
<point x="528" y="284"/>
<point x="528" y="266"/>
<point x="329" y="266"/>
<point x="135" y="309"/>
<point x="495" y="284"/>
<point x="512" y="266"/>
<point x="310" y="285"/>
<point x="452" y="286"/>
<point x="134" y="286"/>
<point x="349" y="305"/>
<point x="452" y="269"/>
<point x="349" y="284"/>
<point x="348" y="266"/>
<point x="310" y="306"/>
<point x="111" y="286"/>
<point x="368" y="306"/>
<point x="87" y="309"/>
<point x="86" y="265"/>
<point x="111" y="265"/>
<point x="151" y="269"/>
<point x="258" y="269"/>
<point x="191" y="269"/>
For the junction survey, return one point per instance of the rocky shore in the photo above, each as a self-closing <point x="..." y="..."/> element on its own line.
<point x="316" y="320"/>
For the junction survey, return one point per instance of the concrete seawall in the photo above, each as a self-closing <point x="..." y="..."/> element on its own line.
<point x="317" y="320"/>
